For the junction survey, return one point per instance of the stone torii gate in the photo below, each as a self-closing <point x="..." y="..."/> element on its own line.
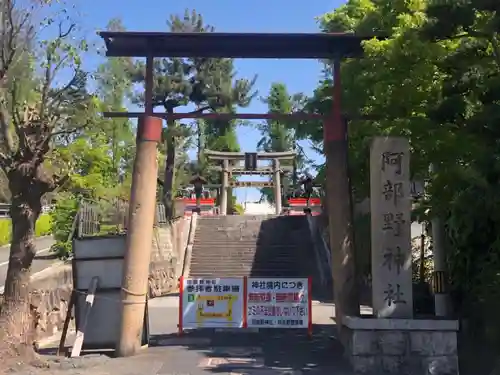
<point x="227" y="171"/>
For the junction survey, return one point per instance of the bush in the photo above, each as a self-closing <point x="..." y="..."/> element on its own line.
<point x="5" y="231"/>
<point x="43" y="228"/>
<point x="238" y="209"/>
<point x="43" y="225"/>
<point x="62" y="217"/>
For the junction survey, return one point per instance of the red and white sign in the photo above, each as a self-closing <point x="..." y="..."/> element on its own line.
<point x="279" y="303"/>
<point x="265" y="303"/>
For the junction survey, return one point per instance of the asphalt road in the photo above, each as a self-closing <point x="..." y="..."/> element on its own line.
<point x="42" y="260"/>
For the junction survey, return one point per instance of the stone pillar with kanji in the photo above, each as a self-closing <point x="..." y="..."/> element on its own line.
<point x="390" y="201"/>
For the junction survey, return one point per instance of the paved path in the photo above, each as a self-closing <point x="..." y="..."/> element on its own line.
<point x="43" y="259"/>
<point x="206" y="352"/>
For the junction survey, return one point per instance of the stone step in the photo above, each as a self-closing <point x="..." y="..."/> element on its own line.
<point x="231" y="254"/>
<point x="236" y="244"/>
<point x="248" y="255"/>
<point x="223" y="245"/>
<point x="223" y="271"/>
<point x="224" y="251"/>
<point x="253" y="259"/>
<point x="246" y="247"/>
<point x="246" y="265"/>
<point x="220" y="227"/>
<point x="246" y="271"/>
<point x="266" y="246"/>
<point x="269" y="271"/>
<point x="223" y="240"/>
<point x="245" y="256"/>
<point x="243" y="273"/>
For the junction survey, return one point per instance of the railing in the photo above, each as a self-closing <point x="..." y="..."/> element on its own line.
<point x="5" y="209"/>
<point x="98" y="218"/>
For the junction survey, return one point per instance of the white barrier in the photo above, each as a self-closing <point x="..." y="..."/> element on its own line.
<point x="245" y="302"/>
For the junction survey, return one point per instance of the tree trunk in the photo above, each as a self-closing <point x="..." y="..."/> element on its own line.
<point x="169" y="172"/>
<point x="17" y="323"/>
<point x="200" y="141"/>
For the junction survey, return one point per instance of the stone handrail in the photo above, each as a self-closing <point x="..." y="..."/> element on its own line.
<point x="322" y="252"/>
<point x="189" y="246"/>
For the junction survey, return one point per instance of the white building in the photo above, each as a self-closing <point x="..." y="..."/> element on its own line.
<point x="253" y="208"/>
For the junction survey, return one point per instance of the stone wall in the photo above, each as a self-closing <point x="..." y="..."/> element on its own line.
<point x="167" y="258"/>
<point x="50" y="299"/>
<point x="52" y="287"/>
<point x="416" y="347"/>
<point x="322" y="251"/>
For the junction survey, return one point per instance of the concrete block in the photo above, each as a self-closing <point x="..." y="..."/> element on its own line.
<point x="363" y="343"/>
<point x="391" y="364"/>
<point x="358" y="323"/>
<point x="440" y="365"/>
<point x="364" y="364"/>
<point x="433" y="343"/>
<point x="393" y="343"/>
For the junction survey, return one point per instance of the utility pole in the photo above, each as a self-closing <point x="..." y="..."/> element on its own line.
<point x="339" y="210"/>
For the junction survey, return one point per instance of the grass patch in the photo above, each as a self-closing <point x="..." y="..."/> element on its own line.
<point x="43" y="228"/>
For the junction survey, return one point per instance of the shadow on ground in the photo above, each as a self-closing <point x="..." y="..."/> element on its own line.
<point x="285" y="248"/>
<point x="233" y="351"/>
<point x="273" y="351"/>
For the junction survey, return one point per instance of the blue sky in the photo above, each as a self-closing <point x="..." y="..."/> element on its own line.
<point x="227" y="16"/>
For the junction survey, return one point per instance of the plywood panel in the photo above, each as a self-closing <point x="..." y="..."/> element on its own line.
<point x="109" y="271"/>
<point x="98" y="247"/>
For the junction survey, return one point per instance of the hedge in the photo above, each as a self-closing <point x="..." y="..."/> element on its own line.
<point x="43" y="228"/>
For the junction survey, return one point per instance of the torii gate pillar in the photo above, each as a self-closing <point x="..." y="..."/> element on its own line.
<point x="277" y="186"/>
<point x="225" y="183"/>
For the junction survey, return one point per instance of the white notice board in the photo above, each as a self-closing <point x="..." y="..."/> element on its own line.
<point x="211" y="303"/>
<point x="278" y="303"/>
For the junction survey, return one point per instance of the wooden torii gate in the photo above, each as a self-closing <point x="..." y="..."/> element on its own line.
<point x="227" y="170"/>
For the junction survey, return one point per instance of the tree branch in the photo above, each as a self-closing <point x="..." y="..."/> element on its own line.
<point x="8" y="142"/>
<point x="51" y="70"/>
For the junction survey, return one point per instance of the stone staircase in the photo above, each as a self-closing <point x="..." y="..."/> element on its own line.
<point x="244" y="245"/>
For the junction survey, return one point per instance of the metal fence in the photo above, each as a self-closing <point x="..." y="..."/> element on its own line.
<point x="108" y="218"/>
<point x="5" y="209"/>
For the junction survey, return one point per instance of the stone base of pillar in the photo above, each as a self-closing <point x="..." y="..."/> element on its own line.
<point x="401" y="346"/>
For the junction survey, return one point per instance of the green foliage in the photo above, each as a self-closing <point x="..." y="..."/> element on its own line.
<point x="5" y="231"/>
<point x="63" y="218"/>
<point x="435" y="80"/>
<point x="43" y="227"/>
<point x="209" y="85"/>
<point x="238" y="209"/>
<point x="279" y="136"/>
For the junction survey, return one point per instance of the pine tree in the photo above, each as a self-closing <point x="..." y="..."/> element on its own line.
<point x="208" y="84"/>
<point x="279" y="136"/>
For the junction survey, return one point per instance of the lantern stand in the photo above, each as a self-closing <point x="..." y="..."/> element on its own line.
<point x="307" y="182"/>
<point x="198" y="183"/>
